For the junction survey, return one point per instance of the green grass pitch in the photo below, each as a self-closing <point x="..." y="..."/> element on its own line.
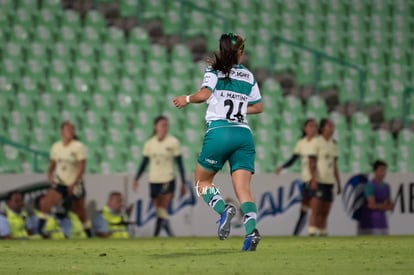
<point x="275" y="255"/>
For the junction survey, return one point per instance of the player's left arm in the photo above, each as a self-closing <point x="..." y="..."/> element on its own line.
<point x="336" y="172"/>
<point x="255" y="105"/>
<point x="255" y="108"/>
<point x="81" y="155"/>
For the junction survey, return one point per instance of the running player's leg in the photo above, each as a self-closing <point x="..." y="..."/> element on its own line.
<point x="205" y="188"/>
<point x="241" y="184"/>
<point x="242" y="167"/>
<point x="212" y="196"/>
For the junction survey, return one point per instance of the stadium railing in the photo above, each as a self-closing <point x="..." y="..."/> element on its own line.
<point x="36" y="154"/>
<point x="318" y="57"/>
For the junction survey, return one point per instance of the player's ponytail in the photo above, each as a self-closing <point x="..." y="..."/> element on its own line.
<point x="228" y="56"/>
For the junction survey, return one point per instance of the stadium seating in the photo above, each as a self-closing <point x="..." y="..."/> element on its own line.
<point x="61" y="62"/>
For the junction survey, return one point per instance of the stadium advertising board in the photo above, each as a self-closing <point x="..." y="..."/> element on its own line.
<point x="278" y="200"/>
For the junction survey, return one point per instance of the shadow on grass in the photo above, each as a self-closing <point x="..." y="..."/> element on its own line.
<point x="195" y="252"/>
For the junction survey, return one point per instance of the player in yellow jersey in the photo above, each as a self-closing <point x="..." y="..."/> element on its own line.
<point x="321" y="189"/>
<point x="160" y="152"/>
<point x="65" y="174"/>
<point x="304" y="149"/>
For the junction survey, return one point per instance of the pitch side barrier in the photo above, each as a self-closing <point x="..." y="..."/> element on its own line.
<point x="278" y="201"/>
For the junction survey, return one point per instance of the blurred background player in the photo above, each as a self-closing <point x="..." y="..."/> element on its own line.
<point x="373" y="219"/>
<point x="321" y="188"/>
<point x="304" y="149"/>
<point x="112" y="221"/>
<point x="160" y="152"/>
<point x="231" y="92"/>
<point x="65" y="174"/>
<point x="14" y="220"/>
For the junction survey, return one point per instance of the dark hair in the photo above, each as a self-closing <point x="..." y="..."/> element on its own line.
<point x="322" y="124"/>
<point x="114" y="193"/>
<point x="307" y="121"/>
<point x="377" y="164"/>
<point x="229" y="45"/>
<point x="158" y="119"/>
<point x="12" y="193"/>
<point x="68" y="122"/>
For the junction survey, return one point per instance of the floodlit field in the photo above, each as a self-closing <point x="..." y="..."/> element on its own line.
<point x="275" y="255"/>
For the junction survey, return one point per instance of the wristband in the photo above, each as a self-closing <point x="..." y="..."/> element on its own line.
<point x="187" y="99"/>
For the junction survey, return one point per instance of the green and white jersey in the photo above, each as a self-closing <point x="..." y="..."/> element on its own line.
<point x="230" y="97"/>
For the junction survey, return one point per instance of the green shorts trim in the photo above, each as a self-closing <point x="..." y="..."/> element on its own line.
<point x="225" y="141"/>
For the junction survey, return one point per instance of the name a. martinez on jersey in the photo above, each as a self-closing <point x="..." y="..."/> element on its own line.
<point x="233" y="95"/>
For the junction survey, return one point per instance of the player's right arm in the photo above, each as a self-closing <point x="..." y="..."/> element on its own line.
<point x="201" y="96"/>
<point x="140" y="171"/>
<point x="288" y="163"/>
<point x="291" y="161"/>
<point x="207" y="87"/>
<point x="52" y="166"/>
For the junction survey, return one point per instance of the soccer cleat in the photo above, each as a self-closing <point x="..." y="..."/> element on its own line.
<point x="225" y="221"/>
<point x="251" y="241"/>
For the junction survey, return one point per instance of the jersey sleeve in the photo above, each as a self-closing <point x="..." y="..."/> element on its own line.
<point x="297" y="151"/>
<point x="316" y="147"/>
<point x="312" y="148"/>
<point x="99" y="224"/>
<point x="4" y="226"/>
<point x="335" y="150"/>
<point x="177" y="148"/>
<point x="255" y="95"/>
<point x="210" y="79"/>
<point x="147" y="150"/>
<point x="368" y="190"/>
<point x="81" y="152"/>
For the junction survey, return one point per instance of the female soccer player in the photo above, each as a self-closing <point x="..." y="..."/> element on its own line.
<point x="321" y="188"/>
<point x="373" y="220"/>
<point x="160" y="151"/>
<point x="231" y="93"/>
<point x="65" y="174"/>
<point x="305" y="149"/>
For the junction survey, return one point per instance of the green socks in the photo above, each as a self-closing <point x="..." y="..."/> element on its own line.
<point x="249" y="211"/>
<point x="214" y="200"/>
